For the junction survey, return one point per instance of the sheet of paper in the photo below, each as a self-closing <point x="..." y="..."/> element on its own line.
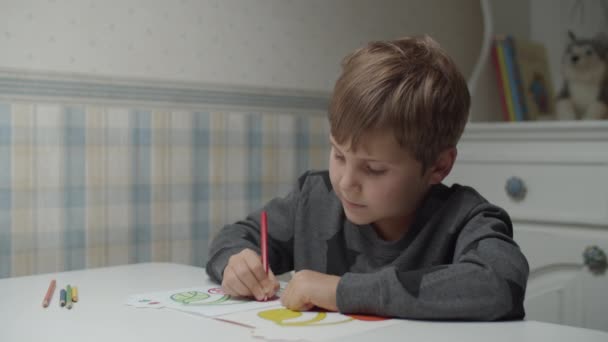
<point x="204" y="300"/>
<point x="279" y="323"/>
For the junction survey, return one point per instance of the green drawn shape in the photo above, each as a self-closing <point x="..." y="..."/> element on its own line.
<point x="192" y="298"/>
<point x="189" y="297"/>
<point x="280" y="316"/>
<point x="220" y="300"/>
<point x="223" y="300"/>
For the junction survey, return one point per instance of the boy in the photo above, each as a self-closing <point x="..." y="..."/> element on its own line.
<point x="378" y="233"/>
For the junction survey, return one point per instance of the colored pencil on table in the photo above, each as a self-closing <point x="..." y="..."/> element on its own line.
<point x="68" y="297"/>
<point x="264" y="241"/>
<point x="49" y="294"/>
<point x="62" y="297"/>
<point x="74" y="294"/>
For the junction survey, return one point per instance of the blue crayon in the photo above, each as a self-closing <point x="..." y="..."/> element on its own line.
<point x="62" y="295"/>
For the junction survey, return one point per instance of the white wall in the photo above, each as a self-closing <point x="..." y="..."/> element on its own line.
<point x="512" y="17"/>
<point x="263" y="43"/>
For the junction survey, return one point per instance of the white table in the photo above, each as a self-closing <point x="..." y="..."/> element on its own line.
<point x="100" y="315"/>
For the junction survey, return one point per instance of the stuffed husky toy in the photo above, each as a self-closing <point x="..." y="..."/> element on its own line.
<point x="584" y="94"/>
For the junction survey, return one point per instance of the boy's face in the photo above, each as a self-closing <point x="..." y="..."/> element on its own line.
<point x="379" y="183"/>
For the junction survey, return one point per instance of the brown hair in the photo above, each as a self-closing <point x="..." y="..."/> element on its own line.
<point x="410" y="86"/>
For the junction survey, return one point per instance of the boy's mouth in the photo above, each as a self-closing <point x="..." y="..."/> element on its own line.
<point x="351" y="204"/>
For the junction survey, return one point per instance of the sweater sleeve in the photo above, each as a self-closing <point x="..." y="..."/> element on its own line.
<point x="236" y="237"/>
<point x="485" y="281"/>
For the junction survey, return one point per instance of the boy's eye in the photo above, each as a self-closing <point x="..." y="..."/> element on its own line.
<point x="375" y="172"/>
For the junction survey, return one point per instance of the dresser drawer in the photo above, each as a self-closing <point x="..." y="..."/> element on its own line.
<point x="552" y="192"/>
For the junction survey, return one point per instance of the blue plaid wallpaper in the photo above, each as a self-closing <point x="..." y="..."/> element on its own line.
<point x="99" y="185"/>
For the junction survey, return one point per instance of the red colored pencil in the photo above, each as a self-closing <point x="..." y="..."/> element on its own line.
<point x="49" y="293"/>
<point x="264" y="238"/>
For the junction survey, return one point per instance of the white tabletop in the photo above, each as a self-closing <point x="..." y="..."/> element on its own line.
<point x="100" y="314"/>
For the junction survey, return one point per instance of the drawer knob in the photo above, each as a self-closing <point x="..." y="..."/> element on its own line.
<point x="516" y="189"/>
<point x="595" y="259"/>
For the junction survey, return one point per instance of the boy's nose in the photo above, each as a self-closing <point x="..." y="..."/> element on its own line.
<point x="348" y="181"/>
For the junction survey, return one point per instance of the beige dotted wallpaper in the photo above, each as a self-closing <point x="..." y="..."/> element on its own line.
<point x="280" y="44"/>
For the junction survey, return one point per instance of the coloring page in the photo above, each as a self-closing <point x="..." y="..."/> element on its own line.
<point x="204" y="300"/>
<point x="279" y="323"/>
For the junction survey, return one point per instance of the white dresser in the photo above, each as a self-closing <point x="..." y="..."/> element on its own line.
<point x="552" y="178"/>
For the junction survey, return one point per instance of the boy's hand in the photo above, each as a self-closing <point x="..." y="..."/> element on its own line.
<point x="308" y="289"/>
<point x="244" y="276"/>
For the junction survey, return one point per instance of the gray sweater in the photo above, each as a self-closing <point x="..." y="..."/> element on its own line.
<point x="458" y="260"/>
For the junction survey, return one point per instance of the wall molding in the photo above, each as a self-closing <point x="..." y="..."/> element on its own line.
<point x="557" y="131"/>
<point x="25" y="85"/>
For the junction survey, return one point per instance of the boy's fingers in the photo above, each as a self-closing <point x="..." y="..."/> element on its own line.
<point x="228" y="290"/>
<point x="248" y="279"/>
<point x="267" y="282"/>
<point x="256" y="267"/>
<point x="285" y="296"/>
<point x="292" y="300"/>
<point x="305" y="307"/>
<point x="234" y="285"/>
<point x="245" y="276"/>
<point x="271" y="285"/>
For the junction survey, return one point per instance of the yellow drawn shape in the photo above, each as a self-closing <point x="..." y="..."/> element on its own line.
<point x="281" y="316"/>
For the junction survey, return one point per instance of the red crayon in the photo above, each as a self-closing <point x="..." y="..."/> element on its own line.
<point x="264" y="237"/>
<point x="49" y="293"/>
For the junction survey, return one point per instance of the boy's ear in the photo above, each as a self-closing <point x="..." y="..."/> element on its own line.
<point x="443" y="165"/>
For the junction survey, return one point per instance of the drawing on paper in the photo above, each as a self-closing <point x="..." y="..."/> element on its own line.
<point x="279" y="323"/>
<point x="213" y="296"/>
<point x="203" y="300"/>
<point x="288" y="318"/>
